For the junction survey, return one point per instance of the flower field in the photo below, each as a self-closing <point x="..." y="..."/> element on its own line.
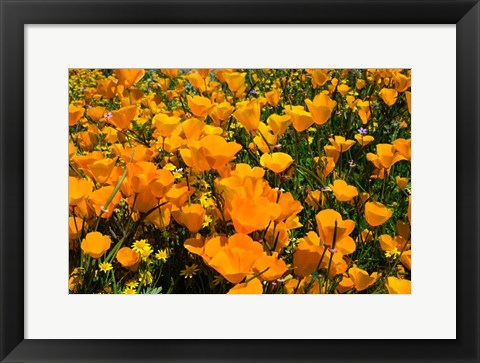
<point x="239" y="181"/>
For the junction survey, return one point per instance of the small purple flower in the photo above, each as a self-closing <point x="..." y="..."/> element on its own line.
<point x="253" y="92"/>
<point x="338" y="113"/>
<point x="108" y="115"/>
<point x="362" y="131"/>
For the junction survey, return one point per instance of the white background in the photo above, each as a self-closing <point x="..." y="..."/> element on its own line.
<point x="429" y="312"/>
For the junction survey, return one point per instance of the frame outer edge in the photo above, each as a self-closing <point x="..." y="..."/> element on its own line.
<point x="11" y="49"/>
<point x="468" y="183"/>
<point x="11" y="179"/>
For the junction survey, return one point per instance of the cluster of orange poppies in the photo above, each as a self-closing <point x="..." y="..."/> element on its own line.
<point x="240" y="181"/>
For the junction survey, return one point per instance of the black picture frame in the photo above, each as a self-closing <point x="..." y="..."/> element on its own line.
<point x="15" y="14"/>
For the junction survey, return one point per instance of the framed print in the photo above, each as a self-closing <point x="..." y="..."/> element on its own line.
<point x="198" y="131"/>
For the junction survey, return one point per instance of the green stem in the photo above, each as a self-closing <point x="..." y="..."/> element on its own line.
<point x="266" y="142"/>
<point x="255" y="276"/>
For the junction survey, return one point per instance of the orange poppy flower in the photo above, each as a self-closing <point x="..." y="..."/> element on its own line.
<point x="277" y="236"/>
<point x="191" y="129"/>
<point x="121" y="118"/>
<point x="319" y="77"/>
<point x="140" y="175"/>
<point x="301" y="119"/>
<point x="326" y="164"/>
<point x="102" y="169"/>
<point x="96" y="113"/>
<point x="178" y="194"/>
<point x="266" y="139"/>
<point x="75" y="113"/>
<point x="361" y="279"/>
<point x="376" y="213"/>
<point x="75" y="226"/>
<point x="343" y="192"/>
<point x="207" y="248"/>
<point x="128" y="258"/>
<point x="235" y="260"/>
<point x="275" y="267"/>
<point x="388" y="95"/>
<point x="307" y="255"/>
<point x="321" y="108"/>
<point x="341" y="144"/>
<point x="194" y="158"/>
<point x="72" y="150"/>
<point x="398" y="286"/>
<point x="404" y="147"/>
<point x="402" y="82"/>
<point x="160" y="217"/>
<point x="406" y="259"/>
<point x="401" y="182"/>
<point x="191" y="216"/>
<point x="315" y="199"/>
<point x="333" y="85"/>
<point x="273" y="97"/>
<point x="254" y="286"/>
<point x="171" y="144"/>
<point x="217" y="151"/>
<point x="403" y="229"/>
<point x="360" y="84"/>
<point x="331" y="226"/>
<point x="248" y="114"/>
<point x="164" y="125"/>
<point x="351" y="102"/>
<point x="95" y="244"/>
<point x="279" y="123"/>
<point x="203" y="72"/>
<point x="343" y="89"/>
<point x="211" y="152"/>
<point x="99" y="197"/>
<point x="221" y="112"/>
<point x="195" y="245"/>
<point x="276" y="162"/>
<point x="128" y="77"/>
<point x="387" y="243"/>
<point x="200" y="106"/>
<point x="250" y="215"/>
<point x="107" y="87"/>
<point x="289" y="206"/>
<point x="78" y="189"/>
<point x="386" y="156"/>
<point x="197" y="81"/>
<point x="364" y="140"/>
<point x="133" y="154"/>
<point x="364" y="110"/>
<point x="346" y="284"/>
<point x="235" y="80"/>
<point x="171" y="72"/>
<point x="162" y="183"/>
